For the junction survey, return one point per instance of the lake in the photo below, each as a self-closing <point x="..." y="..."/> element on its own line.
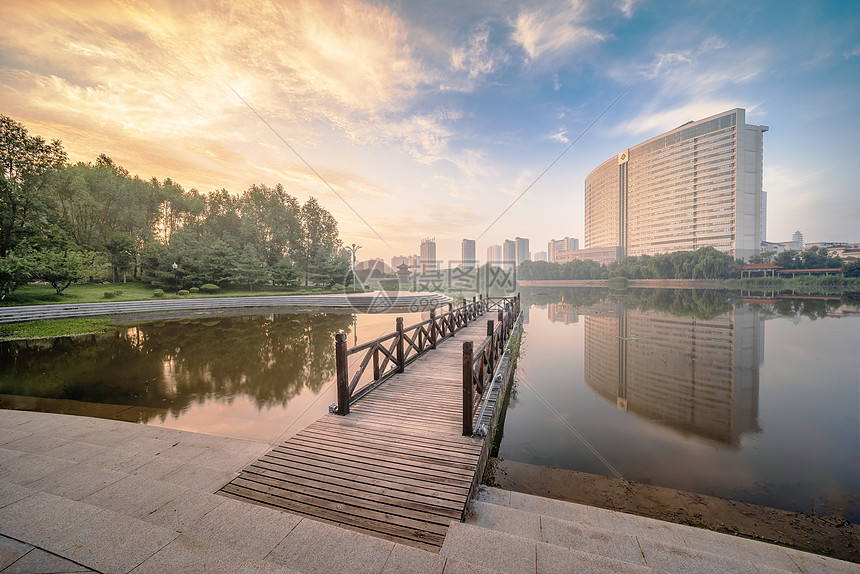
<point x="754" y="399"/>
<point x="247" y="376"/>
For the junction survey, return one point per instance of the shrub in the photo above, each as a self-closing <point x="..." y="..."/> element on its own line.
<point x="117" y="292"/>
<point x="195" y="290"/>
<point x="209" y="288"/>
<point x="182" y="292"/>
<point x="109" y="294"/>
<point x="337" y="287"/>
<point x="158" y="293"/>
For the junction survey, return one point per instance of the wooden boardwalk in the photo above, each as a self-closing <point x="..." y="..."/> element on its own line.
<point x="397" y="466"/>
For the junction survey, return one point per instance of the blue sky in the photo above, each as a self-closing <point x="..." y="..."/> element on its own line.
<point x="431" y="118"/>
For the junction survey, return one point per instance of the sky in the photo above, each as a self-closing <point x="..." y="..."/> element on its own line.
<point x="446" y="119"/>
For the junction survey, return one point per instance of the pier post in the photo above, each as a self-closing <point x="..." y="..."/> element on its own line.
<point x="400" y="360"/>
<point x="492" y="346"/>
<point x="433" y="328"/>
<point x="342" y="374"/>
<point x="467" y="388"/>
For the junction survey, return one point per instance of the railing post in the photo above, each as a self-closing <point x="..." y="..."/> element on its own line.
<point x="342" y="374"/>
<point x="400" y="361"/>
<point x="376" y="363"/>
<point x="452" y="324"/>
<point x="467" y="388"/>
<point x="490" y="332"/>
<point x="433" y="328"/>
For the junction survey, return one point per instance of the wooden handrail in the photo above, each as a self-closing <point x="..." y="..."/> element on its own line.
<point x="398" y="349"/>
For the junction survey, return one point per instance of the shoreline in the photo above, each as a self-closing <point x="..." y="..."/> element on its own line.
<point x="827" y="536"/>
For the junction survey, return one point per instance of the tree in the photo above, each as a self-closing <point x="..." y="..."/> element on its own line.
<point x="851" y="269"/>
<point x="60" y="267"/>
<point x="120" y="248"/>
<point x="763" y="257"/>
<point x="250" y="268"/>
<point x="284" y="273"/>
<point x="15" y="270"/>
<point x="27" y="165"/>
<point x="318" y="239"/>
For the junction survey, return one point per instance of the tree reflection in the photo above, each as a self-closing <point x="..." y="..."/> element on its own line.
<point x="172" y="364"/>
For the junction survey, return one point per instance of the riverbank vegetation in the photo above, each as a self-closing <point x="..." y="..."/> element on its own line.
<point x="63" y="223"/>
<point x="51" y="328"/>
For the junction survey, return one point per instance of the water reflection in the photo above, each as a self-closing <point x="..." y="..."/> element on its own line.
<point x="696" y="376"/>
<point x="170" y="365"/>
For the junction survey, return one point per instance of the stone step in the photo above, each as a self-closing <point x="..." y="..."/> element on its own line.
<point x="518" y="555"/>
<point x="662" y="543"/>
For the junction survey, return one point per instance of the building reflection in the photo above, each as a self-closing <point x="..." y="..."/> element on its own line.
<point x="697" y="376"/>
<point x="562" y="313"/>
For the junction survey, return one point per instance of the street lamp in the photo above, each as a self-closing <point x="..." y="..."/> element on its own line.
<point x="175" y="280"/>
<point x="353" y="249"/>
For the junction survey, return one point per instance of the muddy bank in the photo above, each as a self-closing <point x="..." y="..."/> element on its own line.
<point x="822" y="535"/>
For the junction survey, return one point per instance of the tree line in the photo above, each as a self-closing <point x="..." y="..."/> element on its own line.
<point x="62" y="222"/>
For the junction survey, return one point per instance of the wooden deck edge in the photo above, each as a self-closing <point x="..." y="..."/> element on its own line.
<point x="507" y="368"/>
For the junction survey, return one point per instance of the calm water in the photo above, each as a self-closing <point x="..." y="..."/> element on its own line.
<point x="751" y="400"/>
<point x="249" y="376"/>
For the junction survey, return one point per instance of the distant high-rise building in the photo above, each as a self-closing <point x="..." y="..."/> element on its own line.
<point x="468" y="260"/>
<point x="411" y="261"/>
<point x="428" y="254"/>
<point x="797" y="241"/>
<point x="522" y="250"/>
<point x="556" y="245"/>
<point x="539" y="256"/>
<point x="695" y="186"/>
<point x="375" y="265"/>
<point x="509" y="254"/>
<point x="494" y="254"/>
<point x="763" y="216"/>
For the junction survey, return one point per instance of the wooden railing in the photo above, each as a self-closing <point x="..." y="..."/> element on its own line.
<point x="390" y="353"/>
<point x="480" y="363"/>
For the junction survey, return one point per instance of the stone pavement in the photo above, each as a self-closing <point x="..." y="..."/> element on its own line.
<point x="80" y="494"/>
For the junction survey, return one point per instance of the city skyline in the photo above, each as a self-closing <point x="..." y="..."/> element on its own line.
<point x="432" y="120"/>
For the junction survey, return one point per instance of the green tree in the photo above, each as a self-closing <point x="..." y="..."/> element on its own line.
<point x="60" y="267"/>
<point x="27" y="167"/>
<point x="284" y="273"/>
<point x="250" y="268"/>
<point x="120" y="249"/>
<point x="318" y="239"/>
<point x="15" y="270"/>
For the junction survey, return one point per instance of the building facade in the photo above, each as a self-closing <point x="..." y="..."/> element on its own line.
<point x="468" y="259"/>
<point x="494" y="254"/>
<point x="556" y="245"/>
<point x="428" y="254"/>
<point x="521" y="250"/>
<point x="695" y="186"/>
<point x="509" y="254"/>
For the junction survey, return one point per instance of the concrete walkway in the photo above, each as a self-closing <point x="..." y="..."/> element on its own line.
<point x="92" y="495"/>
<point x="376" y="301"/>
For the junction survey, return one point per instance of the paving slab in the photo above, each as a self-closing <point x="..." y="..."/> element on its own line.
<point x="815" y="564"/>
<point x="408" y="560"/>
<point x="11" y="550"/>
<point x="683" y="560"/>
<point x="597" y="541"/>
<point x="77" y="481"/>
<point x="43" y="519"/>
<point x="113" y="543"/>
<point x="244" y="527"/>
<point x="36" y="443"/>
<point x="38" y="561"/>
<point x="316" y="548"/>
<point x="183" y="511"/>
<point x="202" y="478"/>
<point x="509" y="520"/>
<point x="135" y="497"/>
<point x="500" y="551"/>
<point x="10" y="493"/>
<point x="189" y="555"/>
<point x="78" y="451"/>
<point x="32" y="467"/>
<point x="453" y="566"/>
<point x="556" y="560"/>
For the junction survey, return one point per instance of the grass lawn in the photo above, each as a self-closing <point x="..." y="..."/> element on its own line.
<point x="95" y="293"/>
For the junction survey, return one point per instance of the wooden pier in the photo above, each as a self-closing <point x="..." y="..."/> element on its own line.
<point x="397" y="458"/>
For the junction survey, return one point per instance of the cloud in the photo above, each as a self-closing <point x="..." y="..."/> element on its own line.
<point x="627" y="7"/>
<point x="853" y="53"/>
<point x="560" y="136"/>
<point x="544" y="32"/>
<point x="477" y="57"/>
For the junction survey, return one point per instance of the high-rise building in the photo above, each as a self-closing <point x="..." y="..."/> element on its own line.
<point x="509" y="254"/>
<point x="763" y="216"/>
<point x="521" y="250"/>
<point x="468" y="259"/>
<point x="695" y="186"/>
<point x="539" y="256"/>
<point x="411" y="261"/>
<point x="428" y="254"/>
<point x="494" y="254"/>
<point x="797" y="240"/>
<point x="556" y="245"/>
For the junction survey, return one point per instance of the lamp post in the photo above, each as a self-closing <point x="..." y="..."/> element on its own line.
<point x="353" y="249"/>
<point x="175" y="280"/>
